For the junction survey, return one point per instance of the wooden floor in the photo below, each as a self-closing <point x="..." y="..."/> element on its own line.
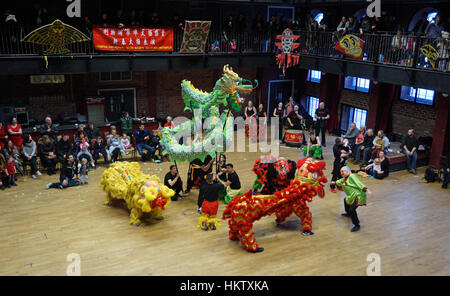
<point x="406" y="223"/>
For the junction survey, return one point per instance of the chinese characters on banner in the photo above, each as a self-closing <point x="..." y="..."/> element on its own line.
<point x="133" y="39"/>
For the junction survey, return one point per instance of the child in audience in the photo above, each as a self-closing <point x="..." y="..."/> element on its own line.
<point x="3" y="175"/>
<point x="125" y="142"/>
<point x="84" y="151"/>
<point x="11" y="171"/>
<point x="83" y="170"/>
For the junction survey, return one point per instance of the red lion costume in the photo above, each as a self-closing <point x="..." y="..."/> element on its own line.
<point x="244" y="210"/>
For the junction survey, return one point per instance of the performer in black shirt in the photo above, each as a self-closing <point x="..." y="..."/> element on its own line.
<point x="197" y="172"/>
<point x="340" y="153"/>
<point x="208" y="203"/>
<point x="322" y="115"/>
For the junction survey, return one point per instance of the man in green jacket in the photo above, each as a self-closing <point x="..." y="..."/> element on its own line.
<point x="356" y="194"/>
<point x="126" y="124"/>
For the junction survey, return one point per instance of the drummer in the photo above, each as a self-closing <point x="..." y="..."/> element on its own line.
<point x="295" y="120"/>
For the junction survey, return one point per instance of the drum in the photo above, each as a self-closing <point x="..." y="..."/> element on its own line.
<point x="293" y="137"/>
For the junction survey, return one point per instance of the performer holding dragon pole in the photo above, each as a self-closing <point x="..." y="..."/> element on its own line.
<point x="356" y="194"/>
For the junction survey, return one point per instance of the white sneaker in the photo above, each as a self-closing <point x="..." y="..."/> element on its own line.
<point x="38" y="173"/>
<point x="33" y="176"/>
<point x="93" y="164"/>
<point x="199" y="210"/>
<point x="48" y="185"/>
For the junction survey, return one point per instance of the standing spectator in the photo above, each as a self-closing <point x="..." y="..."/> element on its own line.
<point x="290" y="105"/>
<point x="280" y="113"/>
<point x="142" y="136"/>
<point x="155" y="20"/>
<point x="92" y="132"/>
<point x="378" y="25"/>
<point x="126" y="124"/>
<point x="341" y="29"/>
<point x="421" y="25"/>
<point x="3" y="136"/>
<point x="104" y="20"/>
<point x="174" y="182"/>
<point x="312" y="27"/>
<point x="365" y="148"/>
<point x="63" y="148"/>
<point x="169" y="122"/>
<point x="39" y="16"/>
<point x="434" y="29"/>
<point x="351" y="25"/>
<point x="351" y="135"/>
<point x="29" y="155"/>
<point x="99" y="150"/>
<point x="15" y="133"/>
<point x="322" y="115"/>
<point x="48" y="128"/>
<point x="359" y="141"/>
<point x="133" y="19"/>
<point x="398" y="46"/>
<point x="241" y="24"/>
<point x="68" y="172"/>
<point x="409" y="148"/>
<point x="47" y="150"/>
<point x="119" y="19"/>
<point x="365" y="27"/>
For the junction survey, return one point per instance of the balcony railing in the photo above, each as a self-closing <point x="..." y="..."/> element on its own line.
<point x="383" y="48"/>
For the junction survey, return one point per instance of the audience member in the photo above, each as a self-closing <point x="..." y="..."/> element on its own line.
<point x="64" y="148"/>
<point x="11" y="150"/>
<point x="365" y="148"/>
<point x="83" y="171"/>
<point x="47" y="149"/>
<point x="3" y="174"/>
<point x="29" y="155"/>
<point x="359" y="141"/>
<point x="48" y="128"/>
<point x="114" y="146"/>
<point x="11" y="171"/>
<point x="351" y="135"/>
<point x="322" y="115"/>
<point x="434" y="29"/>
<point x="15" y="133"/>
<point x="3" y="136"/>
<point x="351" y="25"/>
<point x="142" y="136"/>
<point x="126" y="124"/>
<point x="99" y="150"/>
<point x="380" y="143"/>
<point x="92" y="132"/>
<point x="409" y="148"/>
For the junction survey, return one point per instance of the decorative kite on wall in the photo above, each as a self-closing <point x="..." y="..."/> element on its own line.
<point x="287" y="59"/>
<point x="57" y="36"/>
<point x="194" y="37"/>
<point x="431" y="53"/>
<point x="351" y="46"/>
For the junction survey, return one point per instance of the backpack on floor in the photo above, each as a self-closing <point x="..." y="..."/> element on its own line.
<point x="431" y="175"/>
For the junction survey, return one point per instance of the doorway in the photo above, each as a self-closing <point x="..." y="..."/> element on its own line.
<point x="119" y="101"/>
<point x="279" y="91"/>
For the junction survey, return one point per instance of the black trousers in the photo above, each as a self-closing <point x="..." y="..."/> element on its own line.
<point x="11" y="179"/>
<point x="321" y="128"/>
<point x="177" y="187"/>
<point x="115" y="154"/>
<point x="336" y="173"/>
<point x="194" y="174"/>
<point x="97" y="156"/>
<point x="32" y="163"/>
<point x="50" y="164"/>
<point x="351" y="210"/>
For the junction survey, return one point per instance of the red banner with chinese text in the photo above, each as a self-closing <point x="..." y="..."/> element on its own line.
<point x="133" y="39"/>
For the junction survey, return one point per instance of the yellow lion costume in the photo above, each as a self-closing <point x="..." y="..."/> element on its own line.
<point x="142" y="193"/>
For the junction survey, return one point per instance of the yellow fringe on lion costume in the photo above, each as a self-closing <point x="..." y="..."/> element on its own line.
<point x="142" y="193"/>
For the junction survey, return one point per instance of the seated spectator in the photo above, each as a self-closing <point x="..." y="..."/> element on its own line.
<point x="365" y="148"/>
<point x="15" y="133"/>
<point x="351" y="135"/>
<point x="92" y="132"/>
<point x="47" y="149"/>
<point x="3" y="174"/>
<point x="154" y="142"/>
<point x="380" y="143"/>
<point x="3" y="136"/>
<point x="409" y="148"/>
<point x="99" y="150"/>
<point x="341" y="29"/>
<point x="142" y="136"/>
<point x="174" y="182"/>
<point x="13" y="151"/>
<point x="446" y="173"/>
<point x="114" y="146"/>
<point x="48" y="128"/>
<point x="63" y="148"/>
<point x="66" y="177"/>
<point x="379" y="169"/>
<point x="358" y="141"/>
<point x="29" y="155"/>
<point x="125" y="141"/>
<point x="84" y="152"/>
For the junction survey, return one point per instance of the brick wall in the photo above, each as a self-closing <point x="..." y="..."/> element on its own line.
<point x="406" y="115"/>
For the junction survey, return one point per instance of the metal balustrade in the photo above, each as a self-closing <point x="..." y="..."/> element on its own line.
<point x="383" y="48"/>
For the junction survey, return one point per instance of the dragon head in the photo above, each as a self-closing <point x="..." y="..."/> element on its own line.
<point x="233" y="85"/>
<point x="310" y="171"/>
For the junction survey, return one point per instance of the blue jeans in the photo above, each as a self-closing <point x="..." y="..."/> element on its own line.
<point x="411" y="160"/>
<point x="358" y="151"/>
<point x="365" y="153"/>
<point x="141" y="146"/>
<point x="70" y="183"/>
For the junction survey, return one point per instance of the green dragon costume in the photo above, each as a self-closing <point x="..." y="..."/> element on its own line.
<point x="227" y="92"/>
